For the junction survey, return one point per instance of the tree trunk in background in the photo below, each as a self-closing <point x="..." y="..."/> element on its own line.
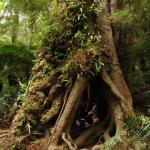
<point x="32" y="21"/>
<point x="5" y="81"/>
<point x="116" y="72"/>
<point x="48" y="7"/>
<point x="15" y="27"/>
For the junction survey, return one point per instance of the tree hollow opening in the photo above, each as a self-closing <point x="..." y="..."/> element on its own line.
<point x="93" y="106"/>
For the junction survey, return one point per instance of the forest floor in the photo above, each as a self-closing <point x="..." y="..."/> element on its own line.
<point x="7" y="139"/>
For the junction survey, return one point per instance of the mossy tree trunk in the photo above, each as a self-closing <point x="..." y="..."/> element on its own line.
<point x="59" y="84"/>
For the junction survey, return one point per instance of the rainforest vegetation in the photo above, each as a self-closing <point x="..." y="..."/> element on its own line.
<point x="74" y="74"/>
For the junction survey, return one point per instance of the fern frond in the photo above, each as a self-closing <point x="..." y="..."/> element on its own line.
<point x="108" y="144"/>
<point x="138" y="126"/>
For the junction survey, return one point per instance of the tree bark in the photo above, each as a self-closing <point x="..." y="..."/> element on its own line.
<point x="116" y="74"/>
<point x="69" y="112"/>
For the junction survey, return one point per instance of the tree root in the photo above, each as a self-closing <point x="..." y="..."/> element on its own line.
<point x="115" y="91"/>
<point x="63" y="106"/>
<point x="97" y="147"/>
<point x="69" y="112"/>
<point x="117" y="118"/>
<point x="67" y="139"/>
<point x="95" y="130"/>
<point x="3" y="132"/>
<point x="56" y="105"/>
<point x="3" y="135"/>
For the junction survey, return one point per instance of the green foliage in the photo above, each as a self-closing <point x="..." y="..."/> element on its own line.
<point x="98" y="66"/>
<point x="28" y="6"/>
<point x="116" y="139"/>
<point x="19" y="55"/>
<point x="72" y="32"/>
<point x="14" y="63"/>
<point x="16" y="52"/>
<point x="29" y="107"/>
<point x="23" y="87"/>
<point x="22" y="117"/>
<point x="21" y="93"/>
<point x="138" y="129"/>
<point x="97" y="7"/>
<point x="7" y="98"/>
<point x="13" y="147"/>
<point x="123" y="17"/>
<point x="33" y="21"/>
<point x="138" y="126"/>
<point x="28" y="128"/>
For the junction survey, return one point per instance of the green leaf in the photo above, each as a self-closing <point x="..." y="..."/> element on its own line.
<point x="28" y="128"/>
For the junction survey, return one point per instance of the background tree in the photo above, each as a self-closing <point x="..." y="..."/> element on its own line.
<point x="17" y="48"/>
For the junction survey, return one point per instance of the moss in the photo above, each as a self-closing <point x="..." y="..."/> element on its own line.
<point x="52" y="112"/>
<point x="30" y="107"/>
<point x="75" y="33"/>
<point x="66" y="53"/>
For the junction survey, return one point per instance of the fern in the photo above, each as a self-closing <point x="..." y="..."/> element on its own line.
<point x="138" y="126"/>
<point x="108" y="144"/>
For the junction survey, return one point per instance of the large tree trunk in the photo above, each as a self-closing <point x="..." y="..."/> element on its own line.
<point x="52" y="106"/>
<point x="116" y="72"/>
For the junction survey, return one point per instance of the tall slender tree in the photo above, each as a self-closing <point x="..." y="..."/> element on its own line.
<point x="15" y="26"/>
